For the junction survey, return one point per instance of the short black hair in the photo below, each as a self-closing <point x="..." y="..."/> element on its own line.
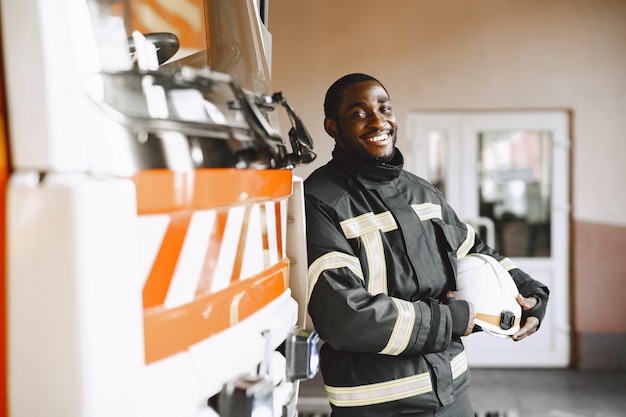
<point x="334" y="95"/>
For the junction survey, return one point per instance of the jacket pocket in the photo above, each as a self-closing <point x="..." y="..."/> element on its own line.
<point x="447" y="244"/>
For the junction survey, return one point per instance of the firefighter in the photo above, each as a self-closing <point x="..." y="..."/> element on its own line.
<point x="382" y="248"/>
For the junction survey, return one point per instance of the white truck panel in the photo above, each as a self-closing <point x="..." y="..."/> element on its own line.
<point x="75" y="339"/>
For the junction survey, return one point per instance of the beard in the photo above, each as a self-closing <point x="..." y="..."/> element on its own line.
<point x="360" y="151"/>
<point x="383" y="159"/>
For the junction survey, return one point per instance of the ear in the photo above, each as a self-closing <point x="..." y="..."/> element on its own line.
<point x="331" y="127"/>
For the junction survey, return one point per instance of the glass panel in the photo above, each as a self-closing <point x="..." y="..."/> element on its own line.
<point x="515" y="187"/>
<point x="437" y="159"/>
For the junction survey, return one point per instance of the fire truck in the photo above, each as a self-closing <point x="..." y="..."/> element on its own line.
<point x="153" y="256"/>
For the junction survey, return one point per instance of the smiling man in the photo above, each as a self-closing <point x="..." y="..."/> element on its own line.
<point x="361" y="120"/>
<point x="382" y="249"/>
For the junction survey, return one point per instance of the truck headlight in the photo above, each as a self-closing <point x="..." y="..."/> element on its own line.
<point x="302" y="354"/>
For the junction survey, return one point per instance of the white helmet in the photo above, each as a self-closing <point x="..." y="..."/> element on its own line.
<point x="482" y="281"/>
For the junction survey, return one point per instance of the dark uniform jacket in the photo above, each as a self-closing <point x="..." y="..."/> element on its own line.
<point x="382" y="249"/>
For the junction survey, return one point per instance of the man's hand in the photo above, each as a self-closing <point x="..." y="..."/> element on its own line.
<point x="532" y="323"/>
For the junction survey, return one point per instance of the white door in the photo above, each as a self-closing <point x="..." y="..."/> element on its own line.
<point x="507" y="173"/>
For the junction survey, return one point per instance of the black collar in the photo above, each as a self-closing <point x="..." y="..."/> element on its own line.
<point x="367" y="171"/>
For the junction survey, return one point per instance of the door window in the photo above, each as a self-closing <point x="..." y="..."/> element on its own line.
<point x="515" y="187"/>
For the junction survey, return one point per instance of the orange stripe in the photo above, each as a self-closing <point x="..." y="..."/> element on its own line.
<point x="168" y="332"/>
<point x="265" y="235"/>
<point x="158" y="282"/>
<point x="279" y="228"/>
<point x="241" y="247"/>
<point x="164" y="191"/>
<point x="212" y="254"/>
<point x="494" y="320"/>
<point x="188" y="37"/>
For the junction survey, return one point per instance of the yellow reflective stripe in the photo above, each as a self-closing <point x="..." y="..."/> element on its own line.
<point x="468" y="243"/>
<point x="368" y="222"/>
<point x="403" y="328"/>
<point x="333" y="260"/>
<point x="369" y="227"/>
<point x="375" y="254"/>
<point x="398" y="389"/>
<point x="459" y="365"/>
<point x="427" y="211"/>
<point x="380" y="392"/>
<point x="507" y="264"/>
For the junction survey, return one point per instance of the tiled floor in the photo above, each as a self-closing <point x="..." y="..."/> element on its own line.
<point x="521" y="393"/>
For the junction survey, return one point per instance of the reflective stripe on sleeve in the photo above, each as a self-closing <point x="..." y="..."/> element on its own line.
<point x="507" y="264"/>
<point x="468" y="243"/>
<point x="333" y="260"/>
<point x="402" y="330"/>
<point x="459" y="365"/>
<point x="398" y="389"/>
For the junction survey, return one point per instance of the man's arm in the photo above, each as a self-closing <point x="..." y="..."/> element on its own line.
<point x="534" y="294"/>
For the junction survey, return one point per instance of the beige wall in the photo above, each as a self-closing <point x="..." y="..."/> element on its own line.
<point x="476" y="54"/>
<point x="483" y="54"/>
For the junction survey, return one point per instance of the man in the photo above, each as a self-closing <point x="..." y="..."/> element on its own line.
<point x="382" y="247"/>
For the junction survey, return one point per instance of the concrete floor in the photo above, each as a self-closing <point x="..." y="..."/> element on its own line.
<point x="520" y="393"/>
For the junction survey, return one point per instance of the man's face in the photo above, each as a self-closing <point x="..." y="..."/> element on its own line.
<point x="366" y="124"/>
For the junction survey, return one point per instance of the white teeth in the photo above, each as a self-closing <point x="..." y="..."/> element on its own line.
<point x="377" y="138"/>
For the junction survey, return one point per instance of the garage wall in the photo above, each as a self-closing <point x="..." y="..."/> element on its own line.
<point x="490" y="55"/>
